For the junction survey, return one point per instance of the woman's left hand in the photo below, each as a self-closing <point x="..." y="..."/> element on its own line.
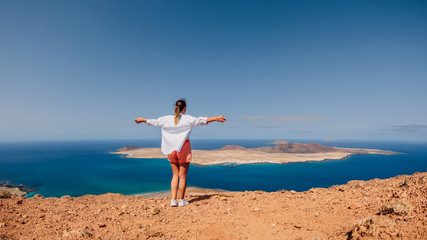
<point x="221" y="119"/>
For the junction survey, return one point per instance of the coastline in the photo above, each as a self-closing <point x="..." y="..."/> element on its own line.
<point x="16" y="190"/>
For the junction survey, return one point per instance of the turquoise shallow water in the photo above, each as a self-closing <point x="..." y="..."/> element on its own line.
<point x="77" y="168"/>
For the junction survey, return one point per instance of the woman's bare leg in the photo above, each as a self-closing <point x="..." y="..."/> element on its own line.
<point x="175" y="177"/>
<point x="183" y="169"/>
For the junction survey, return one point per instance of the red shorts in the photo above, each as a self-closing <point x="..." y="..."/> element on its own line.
<point x="181" y="157"/>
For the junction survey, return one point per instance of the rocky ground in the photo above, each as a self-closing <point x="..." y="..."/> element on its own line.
<point x="394" y="208"/>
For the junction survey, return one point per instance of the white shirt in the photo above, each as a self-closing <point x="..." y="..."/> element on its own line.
<point x="174" y="136"/>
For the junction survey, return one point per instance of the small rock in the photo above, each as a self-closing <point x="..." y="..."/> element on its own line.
<point x="256" y="209"/>
<point x="2" y="224"/>
<point x="362" y="229"/>
<point x="38" y="196"/>
<point x="395" y="207"/>
<point x="86" y="234"/>
<point x="369" y="228"/>
<point x="153" y="234"/>
<point x="297" y="226"/>
<point x="76" y="234"/>
<point x="317" y="214"/>
<point x="155" y="211"/>
<point x="102" y="225"/>
<point x="5" y="194"/>
<point x="404" y="184"/>
<point x="352" y="206"/>
<point x="66" y="234"/>
<point x="19" y="202"/>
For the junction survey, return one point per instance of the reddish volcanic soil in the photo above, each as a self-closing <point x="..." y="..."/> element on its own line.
<point x="394" y="208"/>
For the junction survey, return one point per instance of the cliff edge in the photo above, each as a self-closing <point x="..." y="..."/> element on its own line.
<point x="394" y="208"/>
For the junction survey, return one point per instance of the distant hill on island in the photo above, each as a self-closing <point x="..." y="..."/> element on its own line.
<point x="129" y="147"/>
<point x="287" y="148"/>
<point x="298" y="148"/>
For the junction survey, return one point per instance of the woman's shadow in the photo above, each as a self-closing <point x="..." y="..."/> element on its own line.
<point x="202" y="197"/>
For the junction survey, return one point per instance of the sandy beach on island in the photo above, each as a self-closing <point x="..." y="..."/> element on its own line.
<point x="239" y="155"/>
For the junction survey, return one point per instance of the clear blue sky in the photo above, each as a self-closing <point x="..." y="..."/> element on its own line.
<point x="276" y="69"/>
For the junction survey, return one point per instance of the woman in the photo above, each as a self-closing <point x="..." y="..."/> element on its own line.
<point x="176" y="131"/>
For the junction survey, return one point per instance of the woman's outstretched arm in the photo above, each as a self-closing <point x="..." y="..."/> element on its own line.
<point x="217" y="118"/>
<point x="140" y="120"/>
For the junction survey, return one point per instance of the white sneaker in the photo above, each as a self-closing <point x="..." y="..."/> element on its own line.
<point x="174" y="203"/>
<point x="182" y="203"/>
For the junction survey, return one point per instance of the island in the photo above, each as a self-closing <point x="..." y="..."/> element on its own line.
<point x="282" y="152"/>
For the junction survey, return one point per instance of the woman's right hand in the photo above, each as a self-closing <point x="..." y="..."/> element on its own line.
<point x="139" y="120"/>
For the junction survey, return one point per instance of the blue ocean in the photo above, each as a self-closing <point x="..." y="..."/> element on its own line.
<point x="76" y="168"/>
